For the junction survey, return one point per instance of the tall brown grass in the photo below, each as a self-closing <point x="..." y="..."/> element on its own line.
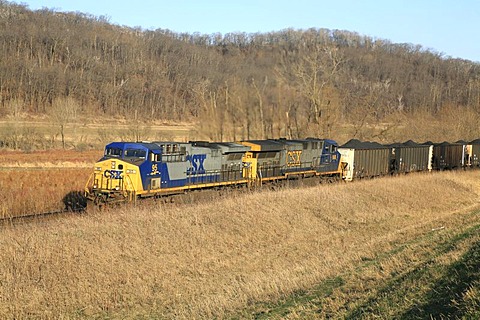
<point x="50" y="158"/>
<point x="38" y="190"/>
<point x="213" y="259"/>
<point x="37" y="182"/>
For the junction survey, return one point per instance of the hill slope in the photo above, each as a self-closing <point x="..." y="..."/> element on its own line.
<point x="290" y="83"/>
<point x="337" y="250"/>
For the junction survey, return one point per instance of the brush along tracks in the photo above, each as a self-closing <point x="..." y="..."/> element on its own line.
<point x="74" y="202"/>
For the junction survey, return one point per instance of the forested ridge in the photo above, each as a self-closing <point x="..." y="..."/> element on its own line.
<point x="289" y="83"/>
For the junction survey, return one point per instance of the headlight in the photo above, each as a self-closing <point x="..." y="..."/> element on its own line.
<point x="131" y="171"/>
<point x="98" y="168"/>
<point x="113" y="164"/>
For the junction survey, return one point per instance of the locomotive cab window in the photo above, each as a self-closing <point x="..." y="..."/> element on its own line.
<point x="113" y="152"/>
<point x="135" y="153"/>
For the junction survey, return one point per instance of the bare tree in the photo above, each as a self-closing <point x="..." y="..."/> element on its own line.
<point x="63" y="112"/>
<point x="259" y="93"/>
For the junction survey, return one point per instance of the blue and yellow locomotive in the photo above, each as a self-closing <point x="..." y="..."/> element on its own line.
<point x="129" y="170"/>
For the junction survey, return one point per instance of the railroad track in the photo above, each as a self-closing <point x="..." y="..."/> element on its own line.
<point x="31" y="217"/>
<point x="76" y="203"/>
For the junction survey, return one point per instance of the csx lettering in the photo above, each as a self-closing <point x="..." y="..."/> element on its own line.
<point x="113" y="174"/>
<point x="293" y="158"/>
<point x="196" y="162"/>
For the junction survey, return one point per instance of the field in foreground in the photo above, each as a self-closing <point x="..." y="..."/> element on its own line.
<point x="404" y="247"/>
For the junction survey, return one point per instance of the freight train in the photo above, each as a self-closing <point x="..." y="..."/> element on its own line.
<point x="131" y="170"/>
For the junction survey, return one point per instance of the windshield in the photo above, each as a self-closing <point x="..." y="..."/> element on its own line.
<point x="113" y="152"/>
<point x="135" y="153"/>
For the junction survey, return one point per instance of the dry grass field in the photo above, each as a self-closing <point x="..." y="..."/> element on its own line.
<point x="371" y="249"/>
<point x="49" y="159"/>
<point x="38" y="181"/>
<point x="34" y="133"/>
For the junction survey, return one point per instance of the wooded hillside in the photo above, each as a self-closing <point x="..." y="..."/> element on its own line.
<point x="290" y="83"/>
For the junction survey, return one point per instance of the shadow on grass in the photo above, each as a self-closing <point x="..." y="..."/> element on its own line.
<point x="281" y="309"/>
<point x="75" y="201"/>
<point x="444" y="298"/>
<point x="457" y="280"/>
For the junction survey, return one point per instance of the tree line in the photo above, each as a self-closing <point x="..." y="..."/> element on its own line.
<point x="290" y="83"/>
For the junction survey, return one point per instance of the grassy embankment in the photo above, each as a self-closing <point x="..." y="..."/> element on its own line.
<point x="391" y="247"/>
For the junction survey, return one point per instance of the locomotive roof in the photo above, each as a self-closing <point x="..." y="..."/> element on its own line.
<point x="230" y="147"/>
<point x="122" y="144"/>
<point x="226" y="147"/>
<point x="263" y="145"/>
<point x="290" y="142"/>
<point x="283" y="140"/>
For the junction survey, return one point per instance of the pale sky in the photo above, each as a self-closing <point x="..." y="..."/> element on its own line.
<point x="449" y="27"/>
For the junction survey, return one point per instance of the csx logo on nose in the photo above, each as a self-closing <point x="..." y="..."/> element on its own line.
<point x="196" y="162"/>
<point x="112" y="174"/>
